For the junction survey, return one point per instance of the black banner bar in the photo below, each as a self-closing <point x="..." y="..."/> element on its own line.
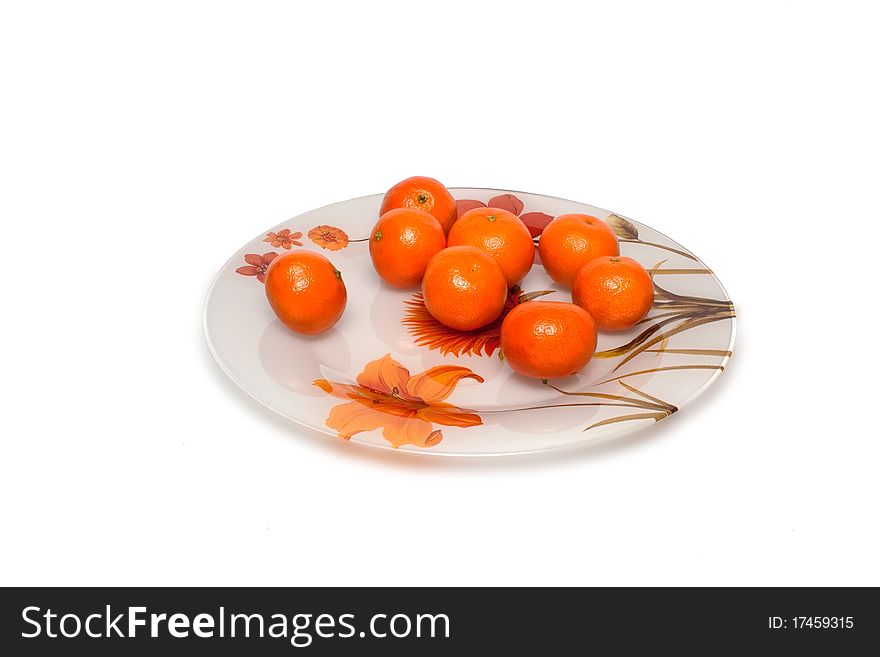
<point x="277" y="621"/>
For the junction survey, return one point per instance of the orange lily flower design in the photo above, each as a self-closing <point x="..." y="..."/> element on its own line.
<point x="405" y="407"/>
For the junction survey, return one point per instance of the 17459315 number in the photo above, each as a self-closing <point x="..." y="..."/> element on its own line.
<point x="811" y="623"/>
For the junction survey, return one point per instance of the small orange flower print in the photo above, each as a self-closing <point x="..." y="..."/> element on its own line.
<point x="284" y="239"/>
<point x="257" y="265"/>
<point x="405" y="407"/>
<point x="428" y="332"/>
<point x="329" y="237"/>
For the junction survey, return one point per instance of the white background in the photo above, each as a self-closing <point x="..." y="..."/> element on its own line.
<point x="142" y="143"/>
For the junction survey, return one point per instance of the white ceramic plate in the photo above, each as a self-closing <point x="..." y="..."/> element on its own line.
<point x="475" y="404"/>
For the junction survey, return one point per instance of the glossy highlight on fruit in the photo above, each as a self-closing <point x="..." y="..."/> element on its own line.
<point x="615" y="290"/>
<point x="548" y="339"/>
<point x="499" y="233"/>
<point x="464" y="288"/>
<point x="570" y="241"/>
<point x="306" y="291"/>
<point x="401" y="244"/>
<point x="425" y="194"/>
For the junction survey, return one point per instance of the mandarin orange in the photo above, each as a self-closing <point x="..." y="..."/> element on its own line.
<point x="402" y="243"/>
<point x="548" y="339"/>
<point x="500" y="234"/>
<point x="464" y="288"/>
<point x="425" y="194"/>
<point x="570" y="241"/>
<point x="305" y="291"/>
<point x="615" y="290"/>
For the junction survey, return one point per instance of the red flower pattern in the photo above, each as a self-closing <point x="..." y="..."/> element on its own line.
<point x="257" y="265"/>
<point x="430" y="333"/>
<point x="534" y="221"/>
